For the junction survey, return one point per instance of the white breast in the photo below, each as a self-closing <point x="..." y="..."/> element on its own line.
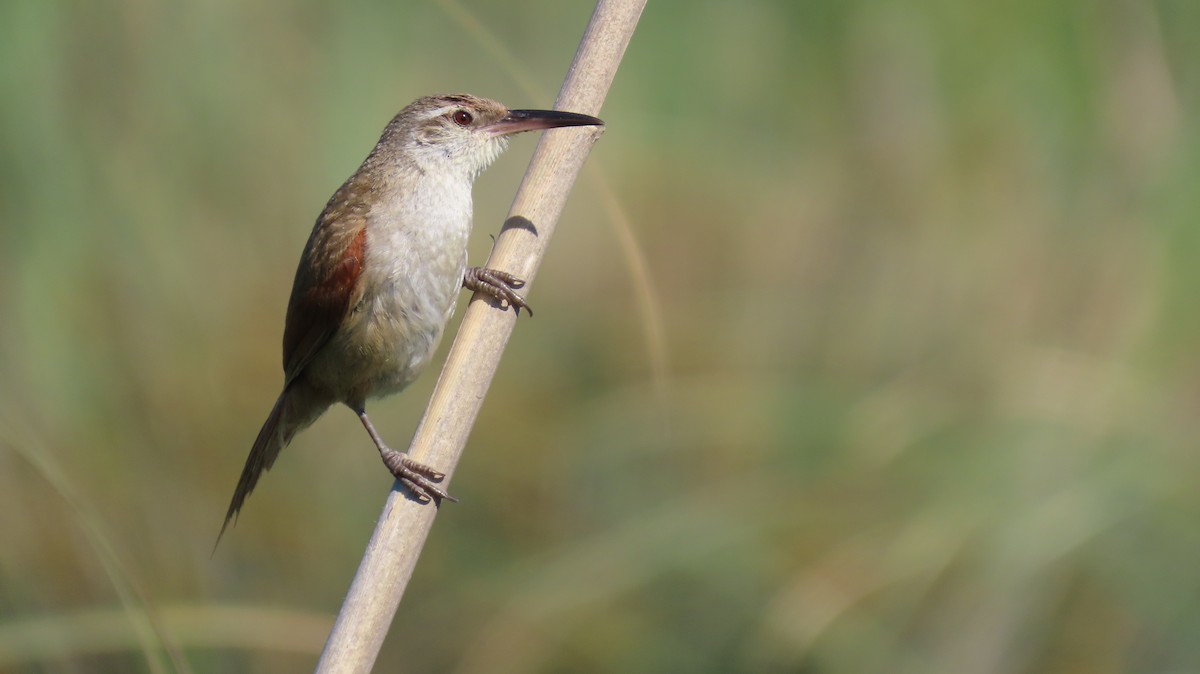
<point x="416" y="252"/>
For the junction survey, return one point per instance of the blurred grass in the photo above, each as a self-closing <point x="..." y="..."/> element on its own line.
<point x="927" y="281"/>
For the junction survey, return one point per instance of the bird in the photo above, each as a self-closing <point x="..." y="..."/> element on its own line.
<point x="378" y="279"/>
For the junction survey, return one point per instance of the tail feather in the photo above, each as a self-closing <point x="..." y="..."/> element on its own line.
<point x="272" y="438"/>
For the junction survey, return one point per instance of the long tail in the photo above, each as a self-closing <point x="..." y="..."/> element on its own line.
<point x="272" y="438"/>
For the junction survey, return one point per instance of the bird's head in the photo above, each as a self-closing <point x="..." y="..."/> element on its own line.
<point x="463" y="134"/>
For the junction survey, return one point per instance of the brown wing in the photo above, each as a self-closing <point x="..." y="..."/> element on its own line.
<point x="327" y="280"/>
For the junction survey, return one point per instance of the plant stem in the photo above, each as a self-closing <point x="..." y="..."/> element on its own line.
<point x="392" y="552"/>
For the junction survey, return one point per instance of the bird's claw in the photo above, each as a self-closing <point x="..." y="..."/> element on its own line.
<point x="498" y="284"/>
<point x="417" y="477"/>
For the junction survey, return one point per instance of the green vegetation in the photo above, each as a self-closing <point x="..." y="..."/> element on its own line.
<point x="925" y="274"/>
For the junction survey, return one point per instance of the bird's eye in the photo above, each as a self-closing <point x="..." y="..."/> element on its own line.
<point x="462" y="117"/>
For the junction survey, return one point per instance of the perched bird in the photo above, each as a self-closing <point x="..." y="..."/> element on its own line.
<point x="378" y="279"/>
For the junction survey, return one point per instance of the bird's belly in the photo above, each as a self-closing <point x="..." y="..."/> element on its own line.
<point x="390" y="339"/>
<point x="414" y="271"/>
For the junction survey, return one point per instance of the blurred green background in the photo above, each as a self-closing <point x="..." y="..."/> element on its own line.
<point x="913" y="385"/>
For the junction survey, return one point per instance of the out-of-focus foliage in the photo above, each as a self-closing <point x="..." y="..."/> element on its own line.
<point x="925" y="273"/>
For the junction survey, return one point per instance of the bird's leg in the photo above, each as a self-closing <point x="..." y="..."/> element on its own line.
<point x="498" y="284"/>
<point x="418" y="477"/>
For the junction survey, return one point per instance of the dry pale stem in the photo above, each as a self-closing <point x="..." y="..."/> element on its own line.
<point x="404" y="524"/>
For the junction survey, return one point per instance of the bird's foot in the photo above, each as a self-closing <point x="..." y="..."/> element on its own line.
<point x="498" y="284"/>
<point x="417" y="477"/>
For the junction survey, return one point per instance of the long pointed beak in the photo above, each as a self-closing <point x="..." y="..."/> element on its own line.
<point x="517" y="121"/>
